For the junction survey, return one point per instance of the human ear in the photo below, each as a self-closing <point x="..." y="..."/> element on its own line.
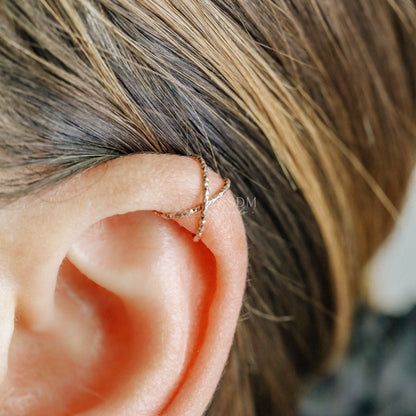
<point x="119" y="311"/>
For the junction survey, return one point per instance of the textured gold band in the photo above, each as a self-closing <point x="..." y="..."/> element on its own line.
<point x="203" y="207"/>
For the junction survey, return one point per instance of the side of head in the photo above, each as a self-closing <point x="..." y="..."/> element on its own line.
<point x="303" y="105"/>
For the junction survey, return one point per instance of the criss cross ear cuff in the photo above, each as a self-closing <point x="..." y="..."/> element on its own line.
<point x="206" y="203"/>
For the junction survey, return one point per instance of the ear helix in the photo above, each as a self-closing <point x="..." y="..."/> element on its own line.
<point x="203" y="207"/>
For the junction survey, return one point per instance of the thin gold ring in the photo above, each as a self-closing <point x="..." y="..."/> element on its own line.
<point x="206" y="202"/>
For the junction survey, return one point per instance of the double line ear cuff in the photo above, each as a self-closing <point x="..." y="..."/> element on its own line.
<point x="206" y="203"/>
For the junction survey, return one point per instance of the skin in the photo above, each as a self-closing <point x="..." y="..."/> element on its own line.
<point x="109" y="309"/>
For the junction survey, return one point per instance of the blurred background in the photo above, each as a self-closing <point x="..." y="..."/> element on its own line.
<point x="378" y="375"/>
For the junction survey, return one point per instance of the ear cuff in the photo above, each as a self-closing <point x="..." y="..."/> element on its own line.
<point x="206" y="203"/>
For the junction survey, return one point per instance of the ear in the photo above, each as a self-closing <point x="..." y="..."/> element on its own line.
<point x="119" y="311"/>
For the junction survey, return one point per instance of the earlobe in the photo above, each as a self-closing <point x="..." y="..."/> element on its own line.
<point x="181" y="298"/>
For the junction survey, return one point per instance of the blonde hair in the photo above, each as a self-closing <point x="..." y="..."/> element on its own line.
<point x="308" y="106"/>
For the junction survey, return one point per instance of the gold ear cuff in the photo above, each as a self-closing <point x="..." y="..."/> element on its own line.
<point x="206" y="203"/>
